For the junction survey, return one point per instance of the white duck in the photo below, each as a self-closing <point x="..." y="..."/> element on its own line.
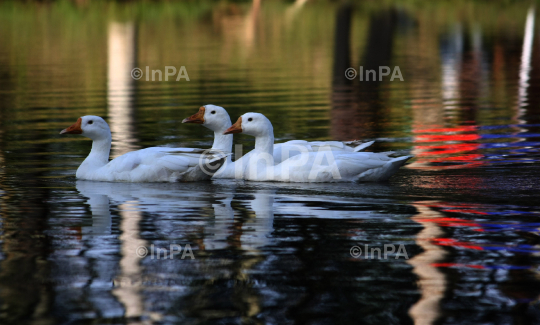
<point x="156" y="164"/>
<point x="321" y="166"/>
<point x="218" y="120"/>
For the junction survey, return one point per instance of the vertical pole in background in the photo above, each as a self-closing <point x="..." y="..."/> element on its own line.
<point x="525" y="66"/>
<point x="122" y="48"/>
<point x="121" y="87"/>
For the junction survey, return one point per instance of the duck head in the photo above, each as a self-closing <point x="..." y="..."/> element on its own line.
<point x="254" y="124"/>
<point x="91" y="126"/>
<point x="213" y="117"/>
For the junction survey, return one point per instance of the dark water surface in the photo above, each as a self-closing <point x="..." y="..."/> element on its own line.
<point x="465" y="211"/>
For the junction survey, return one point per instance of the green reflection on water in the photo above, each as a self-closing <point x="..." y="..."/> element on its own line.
<point x="276" y="58"/>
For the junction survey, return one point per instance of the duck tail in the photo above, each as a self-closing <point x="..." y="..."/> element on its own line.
<point x="384" y="172"/>
<point x="392" y="166"/>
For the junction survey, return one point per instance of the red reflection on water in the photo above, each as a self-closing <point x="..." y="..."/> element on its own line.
<point x="455" y="243"/>
<point x="447" y="149"/>
<point x="431" y="217"/>
<point x="459" y="146"/>
<point x="451" y="137"/>
<point x="452" y="222"/>
<point x="438" y="219"/>
<point x="456" y="208"/>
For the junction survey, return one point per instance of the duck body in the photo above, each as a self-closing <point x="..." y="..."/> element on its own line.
<point x="218" y="120"/>
<point x="320" y="166"/>
<point x="286" y="150"/>
<point x="155" y="164"/>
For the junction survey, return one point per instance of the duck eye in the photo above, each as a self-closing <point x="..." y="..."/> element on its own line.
<point x="250" y="119"/>
<point x="90" y="122"/>
<point x="213" y="112"/>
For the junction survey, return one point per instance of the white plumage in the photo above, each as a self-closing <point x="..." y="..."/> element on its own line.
<point x="218" y="120"/>
<point x="156" y="164"/>
<point x="321" y="166"/>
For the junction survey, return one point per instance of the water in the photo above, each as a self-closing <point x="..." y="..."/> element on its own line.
<point x="465" y="210"/>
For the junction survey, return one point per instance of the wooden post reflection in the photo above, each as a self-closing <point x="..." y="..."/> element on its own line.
<point x="250" y="27"/>
<point x="238" y="28"/>
<point x="120" y="87"/>
<point x="432" y="283"/>
<point x="294" y="9"/>
<point x="129" y="281"/>
<point x="120" y="94"/>
<point x="464" y="74"/>
<point x="356" y="111"/>
<point x="525" y="66"/>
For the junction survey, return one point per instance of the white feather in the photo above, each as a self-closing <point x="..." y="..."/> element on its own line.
<point x="156" y="164"/>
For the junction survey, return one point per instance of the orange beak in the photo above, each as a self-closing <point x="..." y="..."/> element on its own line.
<point x="235" y="128"/>
<point x="196" y="118"/>
<point x="74" y="129"/>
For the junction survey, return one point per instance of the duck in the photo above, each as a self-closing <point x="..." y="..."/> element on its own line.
<point x="217" y="119"/>
<point x="154" y="164"/>
<point x="309" y="167"/>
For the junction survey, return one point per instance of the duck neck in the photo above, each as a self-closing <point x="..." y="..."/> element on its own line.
<point x="265" y="143"/>
<point x="99" y="155"/>
<point x="222" y="141"/>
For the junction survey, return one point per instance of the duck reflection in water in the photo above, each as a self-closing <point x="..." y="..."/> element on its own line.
<point x="245" y="259"/>
<point x="138" y="205"/>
